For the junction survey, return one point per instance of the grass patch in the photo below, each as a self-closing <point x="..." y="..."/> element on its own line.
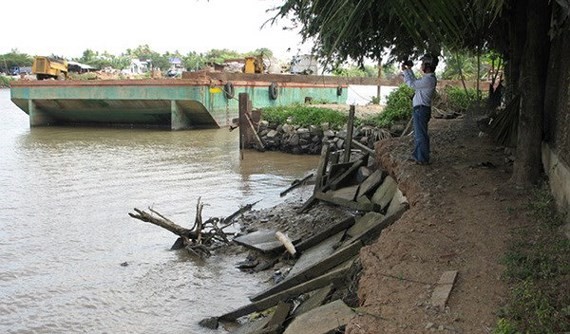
<point x="304" y="115"/>
<point x="538" y="273"/>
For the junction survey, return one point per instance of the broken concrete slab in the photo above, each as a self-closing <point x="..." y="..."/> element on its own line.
<point x="339" y="256"/>
<point x="271" y="299"/>
<point x="319" y="237"/>
<point x="397" y="202"/>
<point x="364" y="200"/>
<point x="262" y="240"/>
<point x="251" y="326"/>
<point x="322" y="320"/>
<point x="346" y="193"/>
<point x="316" y="299"/>
<point x="327" y="197"/>
<point x="443" y="289"/>
<point x="363" y="173"/>
<point x="315" y="254"/>
<point x="376" y="226"/>
<point x="385" y="192"/>
<point x="365" y="223"/>
<point x="276" y="320"/>
<point x="370" y="183"/>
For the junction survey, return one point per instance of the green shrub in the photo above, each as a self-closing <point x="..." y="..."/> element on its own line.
<point x="5" y="81"/>
<point x="304" y="115"/>
<point x="458" y="99"/>
<point x="398" y="107"/>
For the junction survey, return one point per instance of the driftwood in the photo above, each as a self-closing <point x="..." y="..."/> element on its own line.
<point x="295" y="184"/>
<point x="202" y="235"/>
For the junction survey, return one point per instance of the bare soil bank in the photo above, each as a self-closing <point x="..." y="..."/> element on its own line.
<point x="462" y="212"/>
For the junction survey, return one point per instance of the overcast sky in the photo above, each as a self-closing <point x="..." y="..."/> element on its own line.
<point x="68" y="27"/>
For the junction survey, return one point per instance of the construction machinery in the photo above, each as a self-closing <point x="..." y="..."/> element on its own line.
<point x="49" y="68"/>
<point x="254" y="64"/>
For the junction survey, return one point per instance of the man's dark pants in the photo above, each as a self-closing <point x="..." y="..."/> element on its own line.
<point x="421" y="117"/>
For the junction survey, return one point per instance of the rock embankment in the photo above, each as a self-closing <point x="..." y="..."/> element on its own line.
<point x="296" y="139"/>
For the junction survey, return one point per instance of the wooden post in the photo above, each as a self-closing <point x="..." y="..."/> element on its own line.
<point x="243" y="126"/>
<point x="322" y="167"/>
<point x="349" y="129"/>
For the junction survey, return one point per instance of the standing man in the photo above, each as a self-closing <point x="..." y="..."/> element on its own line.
<point x="424" y="89"/>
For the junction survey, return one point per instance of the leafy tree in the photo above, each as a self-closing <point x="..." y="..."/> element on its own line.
<point x="193" y="61"/>
<point x="517" y="29"/>
<point x="219" y="55"/>
<point x="15" y="58"/>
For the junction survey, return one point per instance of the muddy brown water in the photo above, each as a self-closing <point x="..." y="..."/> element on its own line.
<point x="65" y="194"/>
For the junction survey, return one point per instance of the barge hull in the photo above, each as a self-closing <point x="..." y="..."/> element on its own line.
<point x="200" y="101"/>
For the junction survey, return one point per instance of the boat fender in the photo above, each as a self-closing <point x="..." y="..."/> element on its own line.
<point x="338" y="90"/>
<point x="229" y="90"/>
<point x="273" y="91"/>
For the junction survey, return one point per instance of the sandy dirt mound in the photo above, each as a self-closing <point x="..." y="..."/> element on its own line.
<point x="462" y="212"/>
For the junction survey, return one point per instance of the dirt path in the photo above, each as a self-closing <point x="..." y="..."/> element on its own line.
<point x="462" y="212"/>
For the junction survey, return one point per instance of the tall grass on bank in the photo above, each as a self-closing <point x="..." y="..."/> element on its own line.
<point x="538" y="273"/>
<point x="304" y="115"/>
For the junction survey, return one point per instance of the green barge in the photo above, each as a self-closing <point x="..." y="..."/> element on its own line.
<point x="198" y="100"/>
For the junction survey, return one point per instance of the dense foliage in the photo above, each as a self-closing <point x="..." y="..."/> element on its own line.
<point x="304" y="115"/>
<point x="458" y="99"/>
<point x="398" y="107"/>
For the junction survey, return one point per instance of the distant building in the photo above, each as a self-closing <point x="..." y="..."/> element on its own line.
<point x="305" y="64"/>
<point x="137" y="66"/>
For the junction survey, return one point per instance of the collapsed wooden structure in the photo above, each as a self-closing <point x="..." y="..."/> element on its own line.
<point x="308" y="299"/>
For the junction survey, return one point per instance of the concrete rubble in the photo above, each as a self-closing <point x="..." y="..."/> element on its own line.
<point x="315" y="295"/>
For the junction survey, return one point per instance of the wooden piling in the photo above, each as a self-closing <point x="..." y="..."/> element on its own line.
<point x="349" y="130"/>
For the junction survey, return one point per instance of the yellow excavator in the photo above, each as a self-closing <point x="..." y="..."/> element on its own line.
<point x="254" y="64"/>
<point x="49" y="68"/>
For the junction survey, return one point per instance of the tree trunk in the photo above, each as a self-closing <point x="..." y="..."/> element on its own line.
<point x="378" y="89"/>
<point x="517" y="31"/>
<point x="527" y="167"/>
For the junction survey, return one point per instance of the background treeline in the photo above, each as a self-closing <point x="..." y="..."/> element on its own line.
<point x="454" y="66"/>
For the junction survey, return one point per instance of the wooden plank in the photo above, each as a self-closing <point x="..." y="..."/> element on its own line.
<point x="337" y="181"/>
<point x="339" y="168"/>
<point x="350" y="129"/>
<point x="308" y="204"/>
<point x="332" y="230"/>
<point x="443" y="289"/>
<point x="314" y="271"/>
<point x="243" y="104"/>
<point x="272" y="299"/>
<point x="260" y="146"/>
<point x="322" y="166"/>
<point x="363" y="147"/>
<point x="296" y="184"/>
